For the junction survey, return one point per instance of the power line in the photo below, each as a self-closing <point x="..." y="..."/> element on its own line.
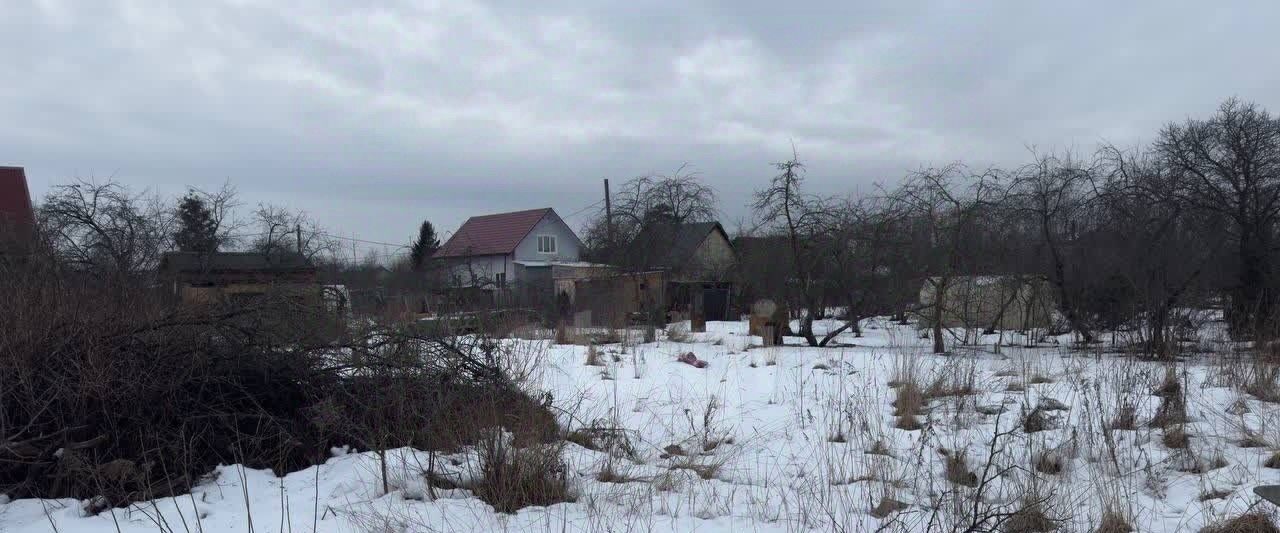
<point x="365" y="241"/>
<point x="580" y="211"/>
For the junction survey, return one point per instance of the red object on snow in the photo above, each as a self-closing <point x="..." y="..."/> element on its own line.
<point x="689" y="359"/>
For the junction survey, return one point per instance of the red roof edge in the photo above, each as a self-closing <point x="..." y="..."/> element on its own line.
<point x="15" y="197"/>
<point x="492" y="234"/>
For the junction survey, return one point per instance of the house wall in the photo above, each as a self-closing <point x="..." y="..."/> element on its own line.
<point x="1006" y="302"/>
<point x="712" y="260"/>
<point x="196" y="295"/>
<point x="611" y="300"/>
<point x="566" y="242"/>
<point x="480" y="269"/>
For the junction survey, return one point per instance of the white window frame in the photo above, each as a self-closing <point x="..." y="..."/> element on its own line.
<point x="551" y="240"/>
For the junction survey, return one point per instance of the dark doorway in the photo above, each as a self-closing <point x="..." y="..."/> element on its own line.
<point x="715" y="303"/>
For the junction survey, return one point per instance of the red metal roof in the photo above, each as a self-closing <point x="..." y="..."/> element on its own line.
<point x="15" y="198"/>
<point x="492" y="234"/>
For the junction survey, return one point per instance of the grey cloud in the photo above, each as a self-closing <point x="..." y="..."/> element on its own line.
<point x="374" y="117"/>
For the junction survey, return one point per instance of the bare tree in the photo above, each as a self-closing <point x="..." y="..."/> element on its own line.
<point x="649" y="203"/>
<point x="284" y="230"/>
<point x="1229" y="165"/>
<point x="222" y="204"/>
<point x="105" y="229"/>
<point x="803" y="220"/>
<point x="1163" y="247"/>
<point x="1053" y="195"/>
<point x="861" y="239"/>
<point x="951" y="204"/>
<point x="678" y="197"/>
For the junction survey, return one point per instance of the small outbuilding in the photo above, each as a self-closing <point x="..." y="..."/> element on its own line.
<point x="221" y="277"/>
<point x="1001" y="302"/>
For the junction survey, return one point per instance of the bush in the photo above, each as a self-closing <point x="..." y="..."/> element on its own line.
<point x="107" y="390"/>
<point x="513" y="478"/>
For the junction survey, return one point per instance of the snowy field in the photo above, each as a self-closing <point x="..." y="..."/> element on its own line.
<point x="798" y="439"/>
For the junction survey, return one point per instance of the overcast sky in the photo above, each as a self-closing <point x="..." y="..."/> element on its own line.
<point x="373" y="119"/>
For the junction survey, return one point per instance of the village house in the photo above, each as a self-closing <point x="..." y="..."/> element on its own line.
<point x="511" y="258"/>
<point x="197" y="278"/>
<point x="682" y="271"/>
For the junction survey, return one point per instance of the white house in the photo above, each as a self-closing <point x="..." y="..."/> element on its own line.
<point x="486" y="251"/>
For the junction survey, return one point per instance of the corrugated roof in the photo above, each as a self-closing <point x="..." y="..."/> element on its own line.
<point x="496" y="234"/>
<point x="233" y="261"/>
<point x="15" y="198"/>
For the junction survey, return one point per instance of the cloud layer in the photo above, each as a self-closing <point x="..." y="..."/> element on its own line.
<point x="373" y="118"/>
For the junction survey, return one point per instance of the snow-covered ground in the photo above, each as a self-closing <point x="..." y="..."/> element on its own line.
<point x="778" y="439"/>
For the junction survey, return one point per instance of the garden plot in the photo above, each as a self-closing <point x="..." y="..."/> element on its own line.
<point x="875" y="434"/>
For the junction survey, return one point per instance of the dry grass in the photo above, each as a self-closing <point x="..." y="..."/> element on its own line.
<point x="1193" y="464"/>
<point x="956" y="378"/>
<point x="1030" y="518"/>
<point x="1038" y="379"/>
<point x="1252" y="440"/>
<point x="1254" y="522"/>
<point x="1173" y="401"/>
<point x="887" y="506"/>
<point x="593" y="356"/>
<point x="562" y="333"/>
<point x="879" y="448"/>
<point x="1126" y="418"/>
<point x="611" y="474"/>
<point x="1176" y="438"/>
<point x="908" y="400"/>
<point x="513" y="478"/>
<point x="1050" y="463"/>
<point x="908" y="423"/>
<point x="1214" y="494"/>
<point x="706" y="470"/>
<point x="1264" y="379"/>
<point x="1273" y="461"/>
<point x="1113" y="522"/>
<point x="1036" y="421"/>
<point x="957" y="470"/>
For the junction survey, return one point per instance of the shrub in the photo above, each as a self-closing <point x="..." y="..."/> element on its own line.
<point x="513" y="478"/>
<point x="143" y="397"/>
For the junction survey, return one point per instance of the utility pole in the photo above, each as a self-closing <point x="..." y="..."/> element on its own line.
<point x="297" y="232"/>
<point x="608" y="213"/>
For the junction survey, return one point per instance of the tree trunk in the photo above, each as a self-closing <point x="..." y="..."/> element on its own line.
<point x="1158" y="345"/>
<point x="1060" y="283"/>
<point x="940" y="289"/>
